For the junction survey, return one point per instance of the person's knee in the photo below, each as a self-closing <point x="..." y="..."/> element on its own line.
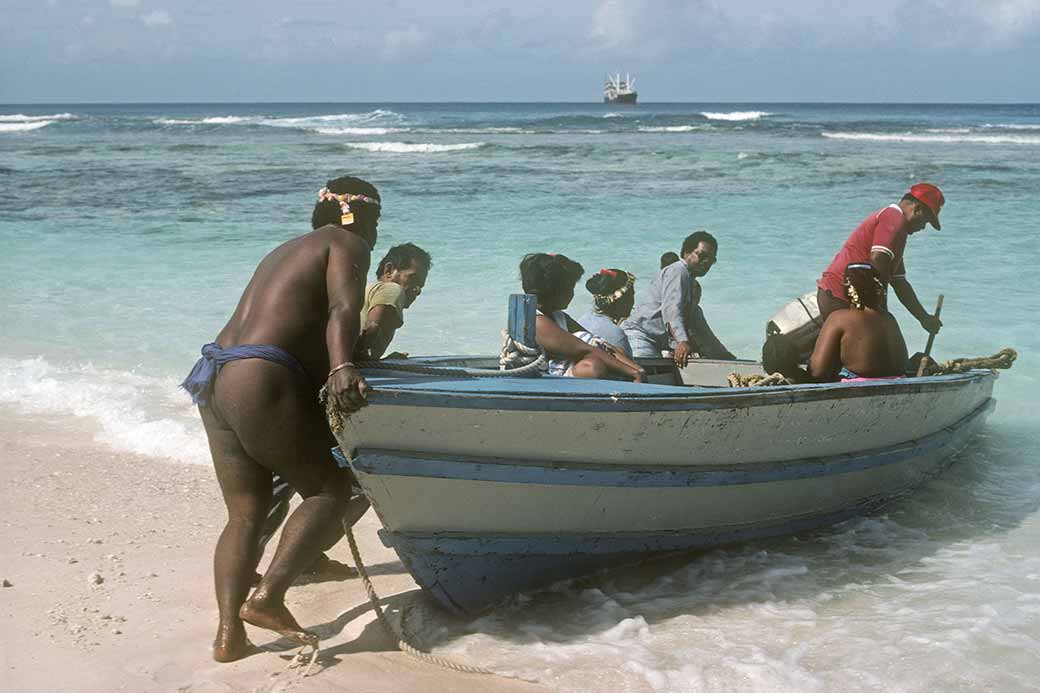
<point x="250" y="520"/>
<point x="335" y="486"/>
<point x="589" y="367"/>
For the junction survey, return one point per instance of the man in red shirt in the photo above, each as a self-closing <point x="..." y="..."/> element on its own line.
<point x="880" y="240"/>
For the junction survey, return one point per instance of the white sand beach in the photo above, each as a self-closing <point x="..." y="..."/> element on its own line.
<point x="108" y="561"/>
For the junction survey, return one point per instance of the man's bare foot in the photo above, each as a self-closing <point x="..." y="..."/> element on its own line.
<point x="231" y="643"/>
<point x="274" y="616"/>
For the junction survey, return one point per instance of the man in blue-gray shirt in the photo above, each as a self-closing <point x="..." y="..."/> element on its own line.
<point x="670" y="316"/>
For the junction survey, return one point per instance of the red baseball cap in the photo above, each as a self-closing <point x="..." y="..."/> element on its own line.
<point x="932" y="198"/>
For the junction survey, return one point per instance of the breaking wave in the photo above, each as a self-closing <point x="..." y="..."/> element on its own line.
<point x="358" y="131"/>
<point x="1013" y="126"/>
<point x="735" y="115"/>
<point x="408" y="148"/>
<point x="215" y="120"/>
<point x="22" y="118"/>
<point x="670" y="128"/>
<point x="933" y="138"/>
<point x="24" y="127"/>
<point x="133" y="413"/>
<point x="303" y="123"/>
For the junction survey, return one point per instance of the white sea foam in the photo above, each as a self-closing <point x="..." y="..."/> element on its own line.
<point x="358" y="131"/>
<point x="24" y="127"/>
<point x="613" y="115"/>
<point x="213" y="120"/>
<point x="309" y="122"/>
<point x="669" y="128"/>
<point x="133" y="413"/>
<point x="870" y="602"/>
<point x="490" y="130"/>
<point x="22" y="118"/>
<point x="1013" y="126"/>
<point x="302" y="122"/>
<point x="933" y="138"/>
<point x="410" y="148"/>
<point x="736" y="115"/>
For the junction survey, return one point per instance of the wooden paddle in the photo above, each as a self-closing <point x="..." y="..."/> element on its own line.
<point x="931" y="340"/>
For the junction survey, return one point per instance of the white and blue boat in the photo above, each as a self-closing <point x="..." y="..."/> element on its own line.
<point x="490" y="486"/>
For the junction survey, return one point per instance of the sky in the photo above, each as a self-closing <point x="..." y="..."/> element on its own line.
<point x="537" y="50"/>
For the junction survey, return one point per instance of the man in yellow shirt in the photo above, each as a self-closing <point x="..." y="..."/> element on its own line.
<point x="401" y="275"/>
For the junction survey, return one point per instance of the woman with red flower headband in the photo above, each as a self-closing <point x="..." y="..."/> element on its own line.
<point x="613" y="294"/>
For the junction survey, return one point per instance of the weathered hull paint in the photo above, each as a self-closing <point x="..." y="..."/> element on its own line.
<point x="486" y="488"/>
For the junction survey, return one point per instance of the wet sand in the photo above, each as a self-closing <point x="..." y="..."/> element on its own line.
<point x="108" y="558"/>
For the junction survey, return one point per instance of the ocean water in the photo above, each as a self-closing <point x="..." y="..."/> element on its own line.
<point x="127" y="233"/>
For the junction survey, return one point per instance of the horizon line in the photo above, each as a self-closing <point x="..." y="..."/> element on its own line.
<point x="516" y="102"/>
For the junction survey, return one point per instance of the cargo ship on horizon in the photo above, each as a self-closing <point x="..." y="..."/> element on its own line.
<point x="619" y="90"/>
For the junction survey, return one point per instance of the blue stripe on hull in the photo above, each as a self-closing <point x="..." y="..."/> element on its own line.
<point x="466" y="573"/>
<point x="435" y="466"/>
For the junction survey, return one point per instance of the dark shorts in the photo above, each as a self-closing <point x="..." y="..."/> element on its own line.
<point x="828" y="302"/>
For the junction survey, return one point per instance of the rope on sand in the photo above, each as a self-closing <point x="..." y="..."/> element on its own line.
<point x="395" y="635"/>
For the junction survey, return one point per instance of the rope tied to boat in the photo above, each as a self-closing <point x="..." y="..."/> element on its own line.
<point x="517" y="358"/>
<point x="756" y="380"/>
<point x="394" y="633"/>
<point x="1001" y="360"/>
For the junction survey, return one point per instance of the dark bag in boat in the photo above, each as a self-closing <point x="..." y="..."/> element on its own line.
<point x="799" y="321"/>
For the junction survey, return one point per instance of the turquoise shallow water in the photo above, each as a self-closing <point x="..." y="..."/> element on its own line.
<point x="128" y="232"/>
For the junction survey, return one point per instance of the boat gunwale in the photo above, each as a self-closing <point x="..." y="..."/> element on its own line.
<point x="696" y="398"/>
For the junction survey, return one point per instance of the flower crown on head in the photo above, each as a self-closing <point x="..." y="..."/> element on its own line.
<point x="630" y="280"/>
<point x="346" y="215"/>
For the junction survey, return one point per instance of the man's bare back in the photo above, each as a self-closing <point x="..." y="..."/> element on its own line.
<point x="867" y="342"/>
<point x="286" y="303"/>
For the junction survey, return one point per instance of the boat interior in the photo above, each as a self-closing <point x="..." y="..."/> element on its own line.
<point x="659" y="371"/>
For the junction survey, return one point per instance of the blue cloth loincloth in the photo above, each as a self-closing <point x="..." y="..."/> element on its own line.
<point x="199" y="382"/>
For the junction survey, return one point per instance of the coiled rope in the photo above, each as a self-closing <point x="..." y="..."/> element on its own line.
<point x="756" y="380"/>
<point x="519" y="359"/>
<point x="1002" y="360"/>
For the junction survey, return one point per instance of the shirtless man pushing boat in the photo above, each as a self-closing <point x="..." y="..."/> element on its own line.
<point x="294" y="330"/>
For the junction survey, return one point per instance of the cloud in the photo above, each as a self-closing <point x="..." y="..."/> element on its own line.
<point x="655" y="28"/>
<point x="157" y="18"/>
<point x="399" y="43"/>
<point x="124" y="3"/>
<point x="1010" y="18"/>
